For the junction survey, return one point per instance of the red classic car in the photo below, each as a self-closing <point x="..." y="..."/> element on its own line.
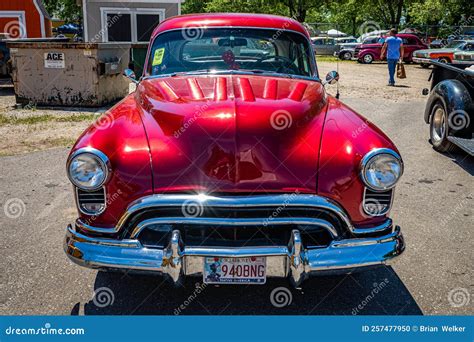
<point x="233" y="164"/>
<point x="370" y="49"/>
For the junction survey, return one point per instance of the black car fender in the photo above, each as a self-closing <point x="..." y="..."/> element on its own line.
<point x="457" y="102"/>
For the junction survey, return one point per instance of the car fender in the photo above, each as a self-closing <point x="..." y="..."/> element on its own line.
<point x="457" y="102"/>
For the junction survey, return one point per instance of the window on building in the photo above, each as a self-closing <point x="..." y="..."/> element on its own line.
<point x="119" y="27"/>
<point x="129" y="24"/>
<point x="146" y="23"/>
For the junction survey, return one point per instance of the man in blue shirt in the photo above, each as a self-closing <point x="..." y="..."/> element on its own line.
<point x="393" y="49"/>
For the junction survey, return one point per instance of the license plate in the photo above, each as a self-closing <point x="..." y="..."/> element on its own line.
<point x="250" y="270"/>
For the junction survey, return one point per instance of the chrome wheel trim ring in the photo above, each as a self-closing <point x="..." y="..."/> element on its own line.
<point x="438" y="127"/>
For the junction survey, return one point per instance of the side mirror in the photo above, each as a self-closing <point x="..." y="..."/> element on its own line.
<point x="128" y="73"/>
<point x="332" y="77"/>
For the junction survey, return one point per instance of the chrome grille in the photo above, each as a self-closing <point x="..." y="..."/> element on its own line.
<point x="91" y="202"/>
<point x="377" y="203"/>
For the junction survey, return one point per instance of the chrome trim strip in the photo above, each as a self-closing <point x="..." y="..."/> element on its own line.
<point x="236" y="252"/>
<point x="379" y="228"/>
<point x="95" y="152"/>
<point x="257" y="201"/>
<point x="235" y="222"/>
<point x="127" y="243"/>
<point x="369" y="155"/>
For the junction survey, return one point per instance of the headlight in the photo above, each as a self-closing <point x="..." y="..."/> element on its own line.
<point x="88" y="168"/>
<point x="381" y="169"/>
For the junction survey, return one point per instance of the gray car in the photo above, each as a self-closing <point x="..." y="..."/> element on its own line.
<point x="345" y="51"/>
<point x="324" y="45"/>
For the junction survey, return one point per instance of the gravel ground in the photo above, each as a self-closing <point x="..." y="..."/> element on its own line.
<point x="433" y="205"/>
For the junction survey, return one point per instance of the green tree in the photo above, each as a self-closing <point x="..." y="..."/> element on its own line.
<point x="67" y="10"/>
<point x="194" y="6"/>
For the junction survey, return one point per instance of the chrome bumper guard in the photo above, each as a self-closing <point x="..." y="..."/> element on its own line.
<point x="178" y="260"/>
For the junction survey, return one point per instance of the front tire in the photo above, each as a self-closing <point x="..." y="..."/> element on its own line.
<point x="367" y="59"/>
<point x="444" y="60"/>
<point x="346" y="56"/>
<point x="425" y="65"/>
<point x="439" y="125"/>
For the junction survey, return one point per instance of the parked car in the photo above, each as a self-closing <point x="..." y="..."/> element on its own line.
<point x="345" y="51"/>
<point x="345" y="40"/>
<point x="370" y="49"/>
<point x="450" y="108"/>
<point x="324" y="45"/>
<point x="438" y="43"/>
<point x="444" y="55"/>
<point x="465" y="57"/>
<point x="232" y="168"/>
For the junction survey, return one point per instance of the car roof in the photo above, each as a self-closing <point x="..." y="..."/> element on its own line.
<point x="230" y="20"/>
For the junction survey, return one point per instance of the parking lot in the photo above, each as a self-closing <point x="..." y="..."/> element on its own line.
<point x="433" y="205"/>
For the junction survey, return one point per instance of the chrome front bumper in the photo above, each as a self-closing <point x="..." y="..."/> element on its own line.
<point x="178" y="260"/>
<point x="421" y="60"/>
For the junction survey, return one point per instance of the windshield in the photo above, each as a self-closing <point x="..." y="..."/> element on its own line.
<point x="223" y="49"/>
<point x="455" y="45"/>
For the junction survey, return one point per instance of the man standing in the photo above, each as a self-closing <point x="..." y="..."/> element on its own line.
<point x="393" y="49"/>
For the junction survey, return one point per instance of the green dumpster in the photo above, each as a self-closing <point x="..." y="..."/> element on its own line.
<point x="138" y="56"/>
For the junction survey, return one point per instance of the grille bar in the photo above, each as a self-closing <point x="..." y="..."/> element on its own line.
<point x="91" y="202"/>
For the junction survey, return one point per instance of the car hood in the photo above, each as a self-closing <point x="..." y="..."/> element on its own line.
<point x="434" y="51"/>
<point x="233" y="133"/>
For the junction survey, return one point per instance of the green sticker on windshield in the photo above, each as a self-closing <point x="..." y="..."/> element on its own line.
<point x="158" y="57"/>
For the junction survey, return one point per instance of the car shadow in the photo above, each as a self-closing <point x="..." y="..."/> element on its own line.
<point x="378" y="291"/>
<point x="461" y="158"/>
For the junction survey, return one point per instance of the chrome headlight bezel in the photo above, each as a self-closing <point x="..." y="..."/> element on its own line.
<point x="102" y="161"/>
<point x="369" y="158"/>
